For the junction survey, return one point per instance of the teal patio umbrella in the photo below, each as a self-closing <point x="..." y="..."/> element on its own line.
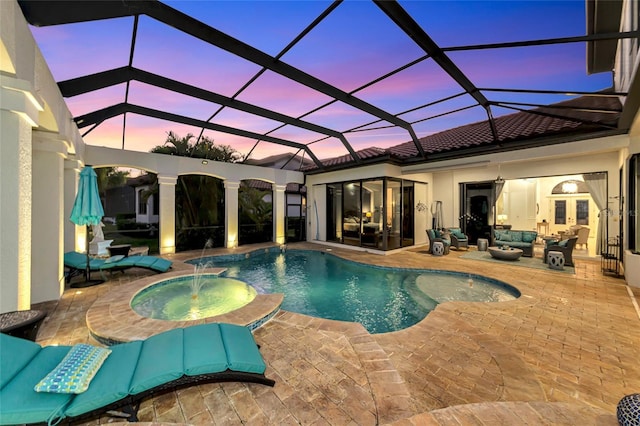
<point x="87" y="210"/>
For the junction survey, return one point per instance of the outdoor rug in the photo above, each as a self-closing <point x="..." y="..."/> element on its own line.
<point x="527" y="262"/>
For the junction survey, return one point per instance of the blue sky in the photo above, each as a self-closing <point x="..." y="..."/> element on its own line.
<point x="354" y="45"/>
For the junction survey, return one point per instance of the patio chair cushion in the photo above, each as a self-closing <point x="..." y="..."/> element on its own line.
<point x="12" y="365"/>
<point x="76" y="370"/>
<point x="211" y="357"/>
<point x="27" y="406"/>
<point x="563" y="243"/>
<point x="133" y="371"/>
<point x="242" y="354"/>
<point x="115" y="258"/>
<point x="516" y="236"/>
<point x="529" y="237"/>
<point x="112" y="382"/>
<point x="458" y="234"/>
<point x="161" y="361"/>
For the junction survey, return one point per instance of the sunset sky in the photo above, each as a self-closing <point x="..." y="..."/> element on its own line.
<point x="354" y="45"/>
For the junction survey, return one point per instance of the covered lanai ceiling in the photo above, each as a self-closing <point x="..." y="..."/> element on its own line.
<point x="342" y="82"/>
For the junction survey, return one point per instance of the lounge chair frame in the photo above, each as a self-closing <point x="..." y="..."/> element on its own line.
<point x="127" y="407"/>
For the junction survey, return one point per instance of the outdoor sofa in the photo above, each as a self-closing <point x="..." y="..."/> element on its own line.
<point x="76" y="263"/>
<point x="130" y="373"/>
<point x="523" y="240"/>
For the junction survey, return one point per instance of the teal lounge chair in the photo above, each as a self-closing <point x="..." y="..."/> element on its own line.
<point x="77" y="264"/>
<point x="132" y="372"/>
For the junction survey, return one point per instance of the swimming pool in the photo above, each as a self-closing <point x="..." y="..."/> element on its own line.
<point x="381" y="299"/>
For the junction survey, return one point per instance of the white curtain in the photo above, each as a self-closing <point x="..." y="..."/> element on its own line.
<point x="498" y="185"/>
<point x="597" y="184"/>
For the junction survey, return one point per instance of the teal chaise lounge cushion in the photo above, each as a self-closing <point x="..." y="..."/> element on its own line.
<point x="77" y="263"/>
<point x="133" y="371"/>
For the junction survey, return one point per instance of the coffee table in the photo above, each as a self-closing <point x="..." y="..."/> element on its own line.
<point x="505" y="254"/>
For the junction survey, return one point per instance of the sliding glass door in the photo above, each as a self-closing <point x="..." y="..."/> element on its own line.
<point x="377" y="213"/>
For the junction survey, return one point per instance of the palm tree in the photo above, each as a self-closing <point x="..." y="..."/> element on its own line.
<point x="110" y="177"/>
<point x="253" y="205"/>
<point x="199" y="199"/>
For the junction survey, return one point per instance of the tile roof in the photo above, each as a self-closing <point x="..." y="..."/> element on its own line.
<point x="576" y="117"/>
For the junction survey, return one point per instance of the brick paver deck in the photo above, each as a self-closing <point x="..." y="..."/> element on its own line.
<point x="565" y="352"/>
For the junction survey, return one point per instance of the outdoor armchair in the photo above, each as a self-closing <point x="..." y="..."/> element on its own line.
<point x="437" y="235"/>
<point x="565" y="247"/>
<point x="458" y="238"/>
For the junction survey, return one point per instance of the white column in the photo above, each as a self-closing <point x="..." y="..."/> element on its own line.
<point x="19" y="109"/>
<point x="231" y="230"/>
<point x="167" y="202"/>
<point x="279" y="212"/>
<point x="74" y="235"/>
<point x="47" y="222"/>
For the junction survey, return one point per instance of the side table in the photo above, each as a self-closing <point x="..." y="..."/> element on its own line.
<point x="555" y="260"/>
<point x="120" y="249"/>
<point x="24" y="324"/>
<point x="483" y="243"/>
<point x="438" y="248"/>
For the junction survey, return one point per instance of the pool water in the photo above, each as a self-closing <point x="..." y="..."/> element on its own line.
<point x="381" y="299"/>
<point x="173" y="299"/>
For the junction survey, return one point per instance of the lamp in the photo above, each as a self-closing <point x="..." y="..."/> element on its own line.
<point x="368" y="215"/>
<point x="502" y="218"/>
<point x="499" y="180"/>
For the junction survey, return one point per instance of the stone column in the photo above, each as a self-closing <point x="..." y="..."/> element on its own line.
<point x="74" y="235"/>
<point x="279" y="212"/>
<point x="47" y="225"/>
<point x="167" y="202"/>
<point x="231" y="230"/>
<point x="19" y="111"/>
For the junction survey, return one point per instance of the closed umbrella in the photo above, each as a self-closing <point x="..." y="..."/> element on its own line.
<point x="87" y="210"/>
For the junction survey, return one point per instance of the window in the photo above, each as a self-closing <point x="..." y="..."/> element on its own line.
<point x="560" y="212"/>
<point x="582" y="212"/>
<point x="375" y="213"/>
<point x="142" y="203"/>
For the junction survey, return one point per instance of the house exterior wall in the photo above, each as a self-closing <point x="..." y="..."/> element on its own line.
<point x="31" y="99"/>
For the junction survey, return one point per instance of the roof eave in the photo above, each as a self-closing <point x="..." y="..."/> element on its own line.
<point x="603" y="16"/>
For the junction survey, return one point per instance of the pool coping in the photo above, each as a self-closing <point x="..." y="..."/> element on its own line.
<point x="111" y="319"/>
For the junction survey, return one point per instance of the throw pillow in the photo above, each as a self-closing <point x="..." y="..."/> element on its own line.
<point x="115" y="258"/>
<point x="516" y="236"/>
<point x="563" y="243"/>
<point x="438" y="233"/>
<point x="505" y="237"/>
<point x="76" y="370"/>
<point x="459" y="235"/>
<point x="529" y="237"/>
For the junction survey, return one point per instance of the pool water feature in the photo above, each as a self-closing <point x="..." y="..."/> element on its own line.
<point x="173" y="299"/>
<point x="381" y="299"/>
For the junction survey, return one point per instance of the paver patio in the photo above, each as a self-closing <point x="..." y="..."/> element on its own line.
<point x="565" y="352"/>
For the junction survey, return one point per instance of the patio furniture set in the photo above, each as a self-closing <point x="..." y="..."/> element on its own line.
<point x="510" y="244"/>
